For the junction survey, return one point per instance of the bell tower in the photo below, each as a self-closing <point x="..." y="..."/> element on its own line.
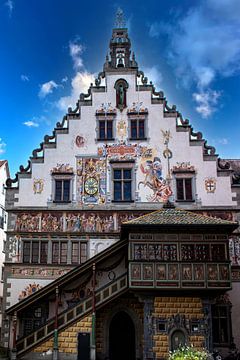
<point x="120" y="46"/>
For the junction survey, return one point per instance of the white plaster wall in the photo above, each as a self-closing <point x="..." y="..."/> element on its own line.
<point x="179" y="144"/>
<point x="97" y="245"/>
<point x="18" y="285"/>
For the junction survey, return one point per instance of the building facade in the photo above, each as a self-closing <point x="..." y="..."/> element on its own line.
<point x="4" y="175"/>
<point x="123" y="153"/>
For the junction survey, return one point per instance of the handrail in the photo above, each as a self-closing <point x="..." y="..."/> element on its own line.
<point x="67" y="317"/>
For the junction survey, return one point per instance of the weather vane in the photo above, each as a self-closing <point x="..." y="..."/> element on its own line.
<point x="120" y="21"/>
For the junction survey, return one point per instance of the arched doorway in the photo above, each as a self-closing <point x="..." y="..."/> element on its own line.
<point x="178" y="339"/>
<point x="122" y="337"/>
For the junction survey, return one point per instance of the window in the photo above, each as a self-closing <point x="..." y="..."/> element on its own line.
<point x="137" y="129"/>
<point x="105" y="130"/>
<point x="184" y="189"/>
<point x="62" y="190"/>
<point x="122" y="184"/>
<point x="221" y="324"/>
<point x="79" y="252"/>
<point x="59" y="252"/>
<point x="35" y="252"/>
<point x="44" y="252"/>
<point x="26" y="251"/>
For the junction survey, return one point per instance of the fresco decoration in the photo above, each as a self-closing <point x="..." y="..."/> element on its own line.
<point x="89" y="222"/>
<point x="29" y="290"/>
<point x="224" y="215"/>
<point x="151" y="168"/>
<point x="106" y="108"/>
<point x="210" y="185"/>
<point x="39" y="272"/>
<point x="91" y="180"/>
<point x="13" y="247"/>
<point x="62" y="169"/>
<point x="121" y="151"/>
<point x="167" y="153"/>
<point x="121" y="129"/>
<point x="38" y="185"/>
<point x="137" y="107"/>
<point x="28" y="222"/>
<point x="52" y="222"/>
<point x="183" y="167"/>
<point x="187" y="275"/>
<point x="234" y="250"/>
<point x="80" y="141"/>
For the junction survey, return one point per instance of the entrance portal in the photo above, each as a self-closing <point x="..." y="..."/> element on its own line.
<point x="122" y="337"/>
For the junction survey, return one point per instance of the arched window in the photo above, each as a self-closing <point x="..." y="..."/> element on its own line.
<point x="121" y="87"/>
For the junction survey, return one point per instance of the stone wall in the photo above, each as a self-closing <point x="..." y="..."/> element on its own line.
<point x="166" y="308"/>
<point x="67" y="340"/>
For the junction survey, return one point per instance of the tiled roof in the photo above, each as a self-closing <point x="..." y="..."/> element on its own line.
<point x="174" y="216"/>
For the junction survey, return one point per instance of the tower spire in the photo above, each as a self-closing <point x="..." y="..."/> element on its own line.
<point x="120" y="22"/>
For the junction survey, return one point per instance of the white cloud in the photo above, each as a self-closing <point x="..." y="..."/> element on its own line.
<point x="64" y="80"/>
<point x="76" y="50"/>
<point x="204" y="44"/>
<point x="206" y="102"/>
<point x="10" y="6"/>
<point x="223" y="141"/>
<point x="2" y="146"/>
<point x="31" y="123"/>
<point x="153" y="74"/>
<point x="47" y="88"/>
<point x="80" y="84"/>
<point x="24" y="78"/>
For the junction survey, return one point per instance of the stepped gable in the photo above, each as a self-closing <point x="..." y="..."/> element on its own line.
<point x="174" y="216"/>
<point x="122" y="60"/>
<point x="235" y="166"/>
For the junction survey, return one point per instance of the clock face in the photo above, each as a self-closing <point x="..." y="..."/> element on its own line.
<point x="91" y="186"/>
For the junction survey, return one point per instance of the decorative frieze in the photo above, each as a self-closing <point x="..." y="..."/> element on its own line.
<point x="85" y="222"/>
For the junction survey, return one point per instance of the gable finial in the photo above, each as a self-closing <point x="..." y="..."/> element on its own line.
<point x="120" y="20"/>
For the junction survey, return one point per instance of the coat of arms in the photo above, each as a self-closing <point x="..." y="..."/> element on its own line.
<point x="210" y="185"/>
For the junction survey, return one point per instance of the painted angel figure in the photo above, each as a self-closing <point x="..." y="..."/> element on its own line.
<point x="166" y="136"/>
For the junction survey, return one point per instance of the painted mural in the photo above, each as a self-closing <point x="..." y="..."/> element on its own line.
<point x="39" y="272"/>
<point x="29" y="290"/>
<point x="91" y="180"/>
<point x="121" y="151"/>
<point x="210" y="185"/>
<point x="38" y="186"/>
<point x="151" y="168"/>
<point x="62" y="169"/>
<point x="89" y="222"/>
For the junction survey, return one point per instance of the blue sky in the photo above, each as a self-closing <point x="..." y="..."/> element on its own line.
<point x="51" y="50"/>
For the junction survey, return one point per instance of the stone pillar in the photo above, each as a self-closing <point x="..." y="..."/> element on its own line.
<point x="14" y="349"/>
<point x="208" y="324"/>
<point x="148" y="328"/>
